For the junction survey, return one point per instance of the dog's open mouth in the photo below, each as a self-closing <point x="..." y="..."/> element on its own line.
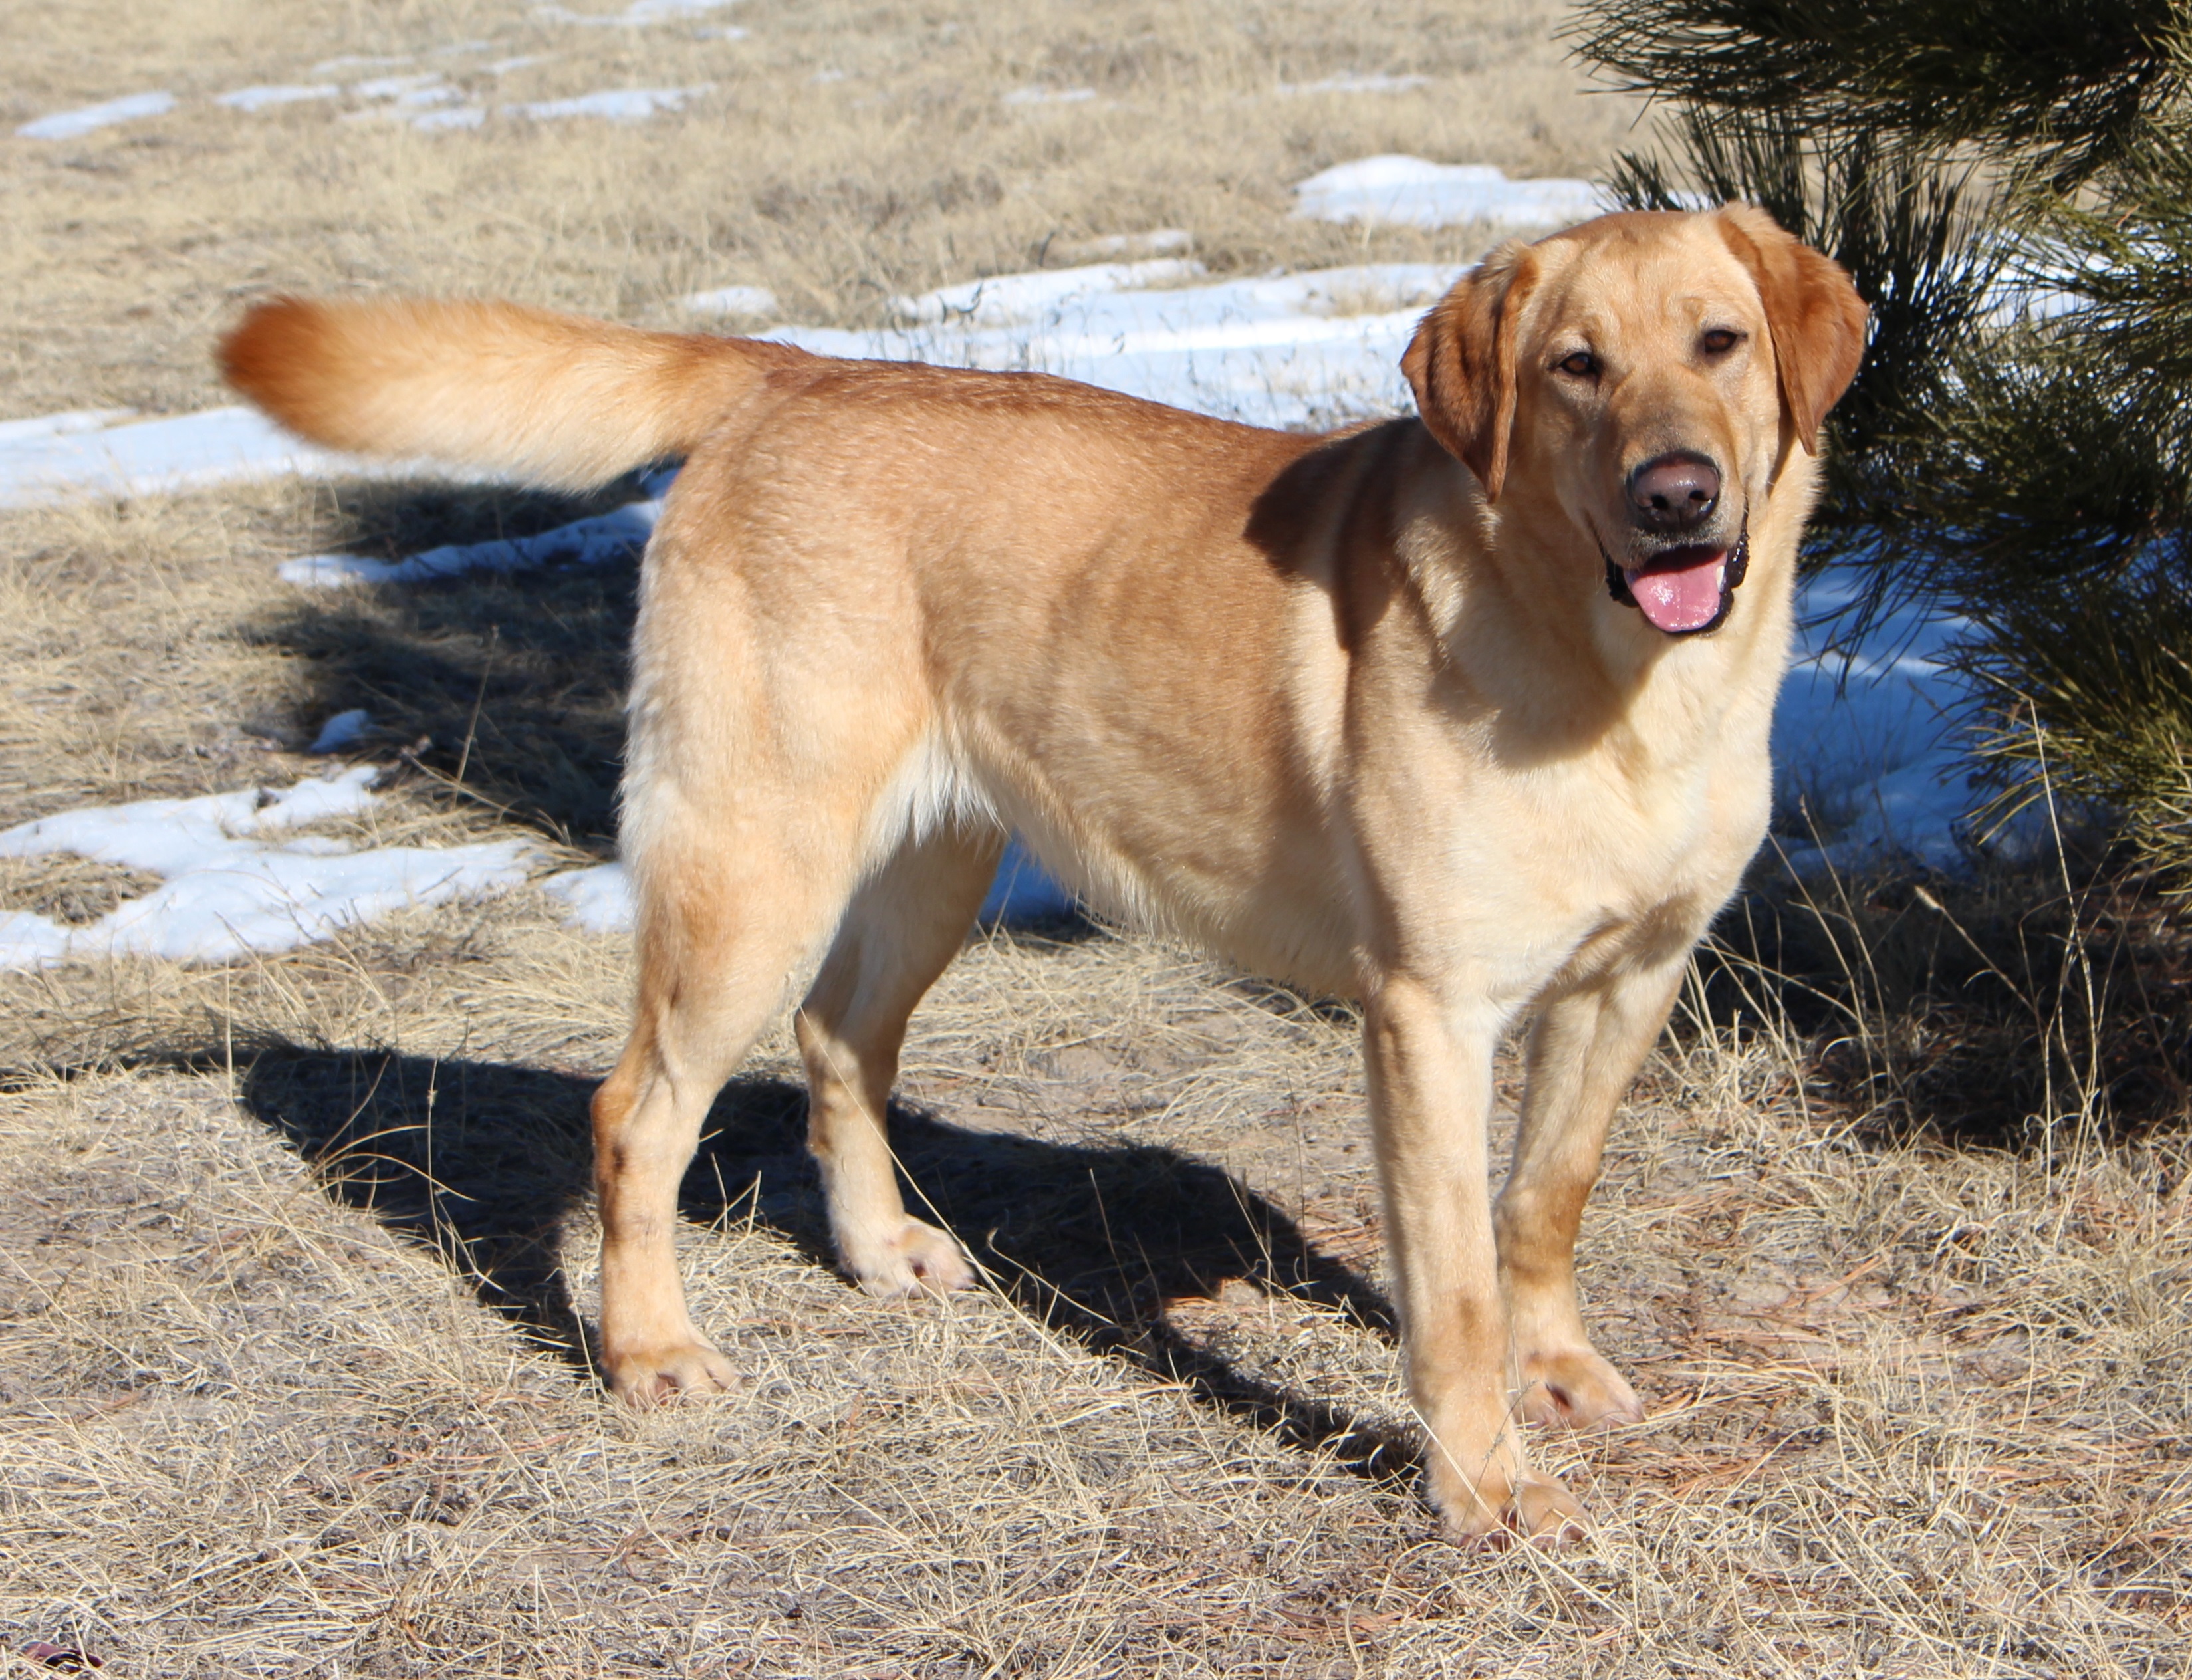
<point x="1682" y="590"/>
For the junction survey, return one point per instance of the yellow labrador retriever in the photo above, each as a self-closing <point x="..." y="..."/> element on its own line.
<point x="1462" y="716"/>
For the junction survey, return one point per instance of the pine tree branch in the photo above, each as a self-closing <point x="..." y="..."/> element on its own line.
<point x="2069" y="79"/>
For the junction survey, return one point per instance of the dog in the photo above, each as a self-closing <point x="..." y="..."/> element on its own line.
<point x="1462" y="715"/>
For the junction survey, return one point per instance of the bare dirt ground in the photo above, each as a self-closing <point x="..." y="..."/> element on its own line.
<point x="295" y="1254"/>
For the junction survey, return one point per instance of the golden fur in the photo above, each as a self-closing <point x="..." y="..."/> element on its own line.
<point x="1358" y="711"/>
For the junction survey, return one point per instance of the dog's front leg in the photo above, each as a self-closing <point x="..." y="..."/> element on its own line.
<point x="1583" y="1051"/>
<point x="1430" y="1061"/>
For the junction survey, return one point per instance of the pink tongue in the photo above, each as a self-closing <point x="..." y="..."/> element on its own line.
<point x="1680" y="598"/>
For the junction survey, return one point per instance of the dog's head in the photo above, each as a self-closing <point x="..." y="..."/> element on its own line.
<point x="1649" y="372"/>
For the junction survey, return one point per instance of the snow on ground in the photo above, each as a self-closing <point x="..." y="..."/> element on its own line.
<point x="68" y="124"/>
<point x="1022" y="891"/>
<point x="395" y="86"/>
<point x="1417" y="193"/>
<point x="1865" y="742"/>
<point x="104" y="452"/>
<point x="1375" y="83"/>
<point x="1294" y="350"/>
<point x="583" y="542"/>
<point x="616" y="105"/>
<point x="265" y="98"/>
<point x="236" y="876"/>
<point x="342" y="732"/>
<point x="423" y="97"/>
<point x="458" y="116"/>
<point x="637" y="15"/>
<point x="1028" y="300"/>
<point x="1864" y="739"/>
<point x="597" y="899"/>
<point x="732" y="301"/>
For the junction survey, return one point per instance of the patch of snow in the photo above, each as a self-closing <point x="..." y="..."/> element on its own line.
<point x="235" y="878"/>
<point x="262" y="98"/>
<point x="394" y="87"/>
<point x="2045" y="281"/>
<point x="1294" y="349"/>
<point x="1865" y="738"/>
<point x="41" y="462"/>
<point x="583" y="542"/>
<point x="637" y="15"/>
<point x="1415" y="192"/>
<point x="30" y="941"/>
<point x="1022" y="891"/>
<point x="342" y="731"/>
<point x="2030" y="305"/>
<point x="522" y="61"/>
<point x="732" y="300"/>
<point x="598" y="899"/>
<point x="456" y="116"/>
<point x="1356" y="85"/>
<point x="1050" y="95"/>
<point x="614" y="104"/>
<point x="68" y="124"/>
<point x="1022" y="299"/>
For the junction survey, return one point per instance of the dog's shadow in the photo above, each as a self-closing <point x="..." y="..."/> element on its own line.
<point x="509" y="685"/>
<point x="483" y="1161"/>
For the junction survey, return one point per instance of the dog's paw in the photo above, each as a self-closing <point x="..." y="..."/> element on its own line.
<point x="917" y="1260"/>
<point x="1542" y="1511"/>
<point x="647" y="1378"/>
<point x="1574" y="1388"/>
<point x="1536" y="1509"/>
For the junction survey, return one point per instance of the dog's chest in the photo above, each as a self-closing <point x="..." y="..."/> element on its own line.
<point x="1571" y="868"/>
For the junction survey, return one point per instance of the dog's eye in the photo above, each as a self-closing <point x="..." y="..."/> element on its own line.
<point x="1582" y="365"/>
<point x="1720" y="340"/>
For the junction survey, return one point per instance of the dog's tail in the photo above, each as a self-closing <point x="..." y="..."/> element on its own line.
<point x="556" y="399"/>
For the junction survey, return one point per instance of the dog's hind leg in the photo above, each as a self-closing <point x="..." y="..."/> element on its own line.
<point x="730" y="925"/>
<point x="901" y="932"/>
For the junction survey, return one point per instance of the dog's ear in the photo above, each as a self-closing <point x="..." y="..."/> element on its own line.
<point x="1462" y="363"/>
<point x="1813" y="311"/>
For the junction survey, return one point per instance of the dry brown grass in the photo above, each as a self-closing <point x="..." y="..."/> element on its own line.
<point x="295" y="1254"/>
<point x="1915" y="1411"/>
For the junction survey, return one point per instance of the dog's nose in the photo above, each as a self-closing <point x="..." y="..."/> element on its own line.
<point x="1673" y="492"/>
